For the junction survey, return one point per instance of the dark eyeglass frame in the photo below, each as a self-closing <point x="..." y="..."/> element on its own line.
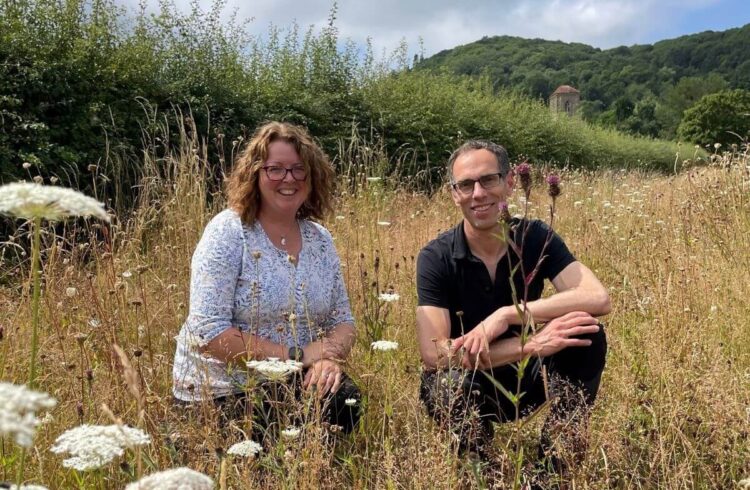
<point x="295" y="171"/>
<point x="487" y="182"/>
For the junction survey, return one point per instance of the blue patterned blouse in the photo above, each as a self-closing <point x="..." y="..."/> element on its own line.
<point x="239" y="278"/>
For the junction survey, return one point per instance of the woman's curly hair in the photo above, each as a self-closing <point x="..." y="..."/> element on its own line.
<point x="242" y="190"/>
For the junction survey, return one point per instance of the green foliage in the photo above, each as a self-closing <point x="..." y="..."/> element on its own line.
<point x="84" y="85"/>
<point x="672" y="75"/>
<point x="723" y="118"/>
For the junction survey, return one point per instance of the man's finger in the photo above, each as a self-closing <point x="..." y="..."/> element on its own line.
<point x="308" y="377"/>
<point x="337" y="383"/>
<point x="458" y="343"/>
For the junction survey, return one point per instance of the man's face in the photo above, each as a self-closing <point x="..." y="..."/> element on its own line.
<point x="480" y="206"/>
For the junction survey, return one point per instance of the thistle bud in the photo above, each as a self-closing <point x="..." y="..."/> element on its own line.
<point x="504" y="213"/>
<point x="524" y="175"/>
<point x="553" y="181"/>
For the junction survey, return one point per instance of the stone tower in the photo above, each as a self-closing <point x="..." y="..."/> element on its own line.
<point x="565" y="99"/>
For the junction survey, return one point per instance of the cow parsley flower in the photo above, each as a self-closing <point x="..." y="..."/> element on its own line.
<point x="29" y="200"/>
<point x="290" y="432"/>
<point x="18" y="407"/>
<point x="248" y="449"/>
<point x="389" y="297"/>
<point x="274" y="369"/>
<point x="174" y="479"/>
<point x="384" y="345"/>
<point x="93" y="446"/>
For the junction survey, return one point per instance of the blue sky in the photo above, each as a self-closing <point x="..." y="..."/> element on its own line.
<point x="442" y="24"/>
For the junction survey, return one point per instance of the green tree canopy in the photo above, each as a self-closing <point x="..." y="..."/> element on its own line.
<point x="723" y="118"/>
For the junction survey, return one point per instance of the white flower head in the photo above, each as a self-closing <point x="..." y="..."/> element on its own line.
<point x="71" y="292"/>
<point x="350" y="402"/>
<point x="93" y="446"/>
<point x="389" y="297"/>
<point x="27" y="487"/>
<point x="127" y="274"/>
<point x="274" y="369"/>
<point x="28" y="200"/>
<point x="384" y="345"/>
<point x="248" y="449"/>
<point x="384" y="223"/>
<point x="374" y="179"/>
<point x="174" y="479"/>
<point x="18" y="407"/>
<point x="291" y="432"/>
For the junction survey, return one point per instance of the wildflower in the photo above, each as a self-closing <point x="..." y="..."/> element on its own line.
<point x="174" y="479"/>
<point x="93" y="446"/>
<point x="27" y="200"/>
<point x="256" y="254"/>
<point x="274" y="369"/>
<point x="350" y="402"/>
<point x="71" y="292"/>
<point x="18" y="407"/>
<point x="504" y="212"/>
<point x="717" y="145"/>
<point x="248" y="449"/>
<point x="26" y="487"/>
<point x="384" y="345"/>
<point x="744" y="484"/>
<point x="94" y="323"/>
<point x="389" y="297"/>
<point x="578" y="204"/>
<point x="524" y="173"/>
<point x="339" y="217"/>
<point x="127" y="274"/>
<point x="384" y="223"/>
<point x="374" y="179"/>
<point x="553" y="181"/>
<point x="290" y="433"/>
<point x="26" y="165"/>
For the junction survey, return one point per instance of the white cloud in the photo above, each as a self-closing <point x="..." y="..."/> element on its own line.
<point x="443" y="24"/>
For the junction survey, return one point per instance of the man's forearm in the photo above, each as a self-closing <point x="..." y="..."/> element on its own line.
<point x="559" y="304"/>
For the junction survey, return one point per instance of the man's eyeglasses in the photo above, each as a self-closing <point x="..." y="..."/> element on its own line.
<point x="488" y="181"/>
<point x="279" y="173"/>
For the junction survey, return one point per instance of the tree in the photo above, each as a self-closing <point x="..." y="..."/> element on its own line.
<point x="715" y="117"/>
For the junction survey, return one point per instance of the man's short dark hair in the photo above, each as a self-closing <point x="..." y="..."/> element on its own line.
<point x="501" y="155"/>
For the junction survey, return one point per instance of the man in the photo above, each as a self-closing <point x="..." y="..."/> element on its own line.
<point x="469" y="326"/>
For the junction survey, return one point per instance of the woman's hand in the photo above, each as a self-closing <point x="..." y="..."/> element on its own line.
<point x="323" y="375"/>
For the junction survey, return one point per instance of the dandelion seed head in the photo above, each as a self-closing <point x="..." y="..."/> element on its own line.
<point x="27" y="200"/>
<point x="248" y="449"/>
<point x="18" y="407"/>
<point x="174" y="479"/>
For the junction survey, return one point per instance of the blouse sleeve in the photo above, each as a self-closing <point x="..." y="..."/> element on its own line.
<point x="214" y="271"/>
<point x="340" y="310"/>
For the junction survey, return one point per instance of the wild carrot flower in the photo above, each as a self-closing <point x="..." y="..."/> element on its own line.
<point x="274" y="369"/>
<point x="389" y="297"/>
<point x="18" y="407"/>
<point x="27" y="200"/>
<point x="384" y="345"/>
<point x="248" y="449"/>
<point x="291" y="432"/>
<point x="93" y="446"/>
<point x="174" y="479"/>
<point x="350" y="402"/>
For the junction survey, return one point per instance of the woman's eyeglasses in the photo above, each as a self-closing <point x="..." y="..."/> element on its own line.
<point x="279" y="173"/>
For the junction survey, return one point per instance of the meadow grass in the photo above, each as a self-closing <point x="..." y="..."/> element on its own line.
<point x="673" y="411"/>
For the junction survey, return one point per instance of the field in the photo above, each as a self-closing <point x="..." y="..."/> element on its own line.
<point x="673" y="411"/>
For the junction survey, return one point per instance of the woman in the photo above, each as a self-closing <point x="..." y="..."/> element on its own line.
<point x="266" y="280"/>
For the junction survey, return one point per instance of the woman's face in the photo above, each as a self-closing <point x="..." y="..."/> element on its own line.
<point x="283" y="197"/>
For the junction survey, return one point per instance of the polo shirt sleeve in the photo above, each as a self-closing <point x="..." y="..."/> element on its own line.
<point x="557" y="256"/>
<point x="432" y="279"/>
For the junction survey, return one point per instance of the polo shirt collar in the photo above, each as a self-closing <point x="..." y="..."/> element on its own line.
<point x="460" y="245"/>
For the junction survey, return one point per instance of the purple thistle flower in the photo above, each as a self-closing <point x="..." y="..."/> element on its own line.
<point x="524" y="173"/>
<point x="553" y="181"/>
<point x="504" y="213"/>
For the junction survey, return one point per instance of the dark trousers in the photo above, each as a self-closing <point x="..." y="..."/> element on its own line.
<point x="466" y="403"/>
<point x="261" y="404"/>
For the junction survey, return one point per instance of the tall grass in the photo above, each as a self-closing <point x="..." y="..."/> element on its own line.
<point x="673" y="408"/>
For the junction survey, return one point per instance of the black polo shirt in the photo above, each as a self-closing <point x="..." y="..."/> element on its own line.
<point x="450" y="276"/>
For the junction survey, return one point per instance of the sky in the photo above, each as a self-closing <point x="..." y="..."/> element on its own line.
<point x="429" y="26"/>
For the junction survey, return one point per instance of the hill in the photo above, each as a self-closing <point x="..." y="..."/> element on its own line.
<point x="642" y="89"/>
